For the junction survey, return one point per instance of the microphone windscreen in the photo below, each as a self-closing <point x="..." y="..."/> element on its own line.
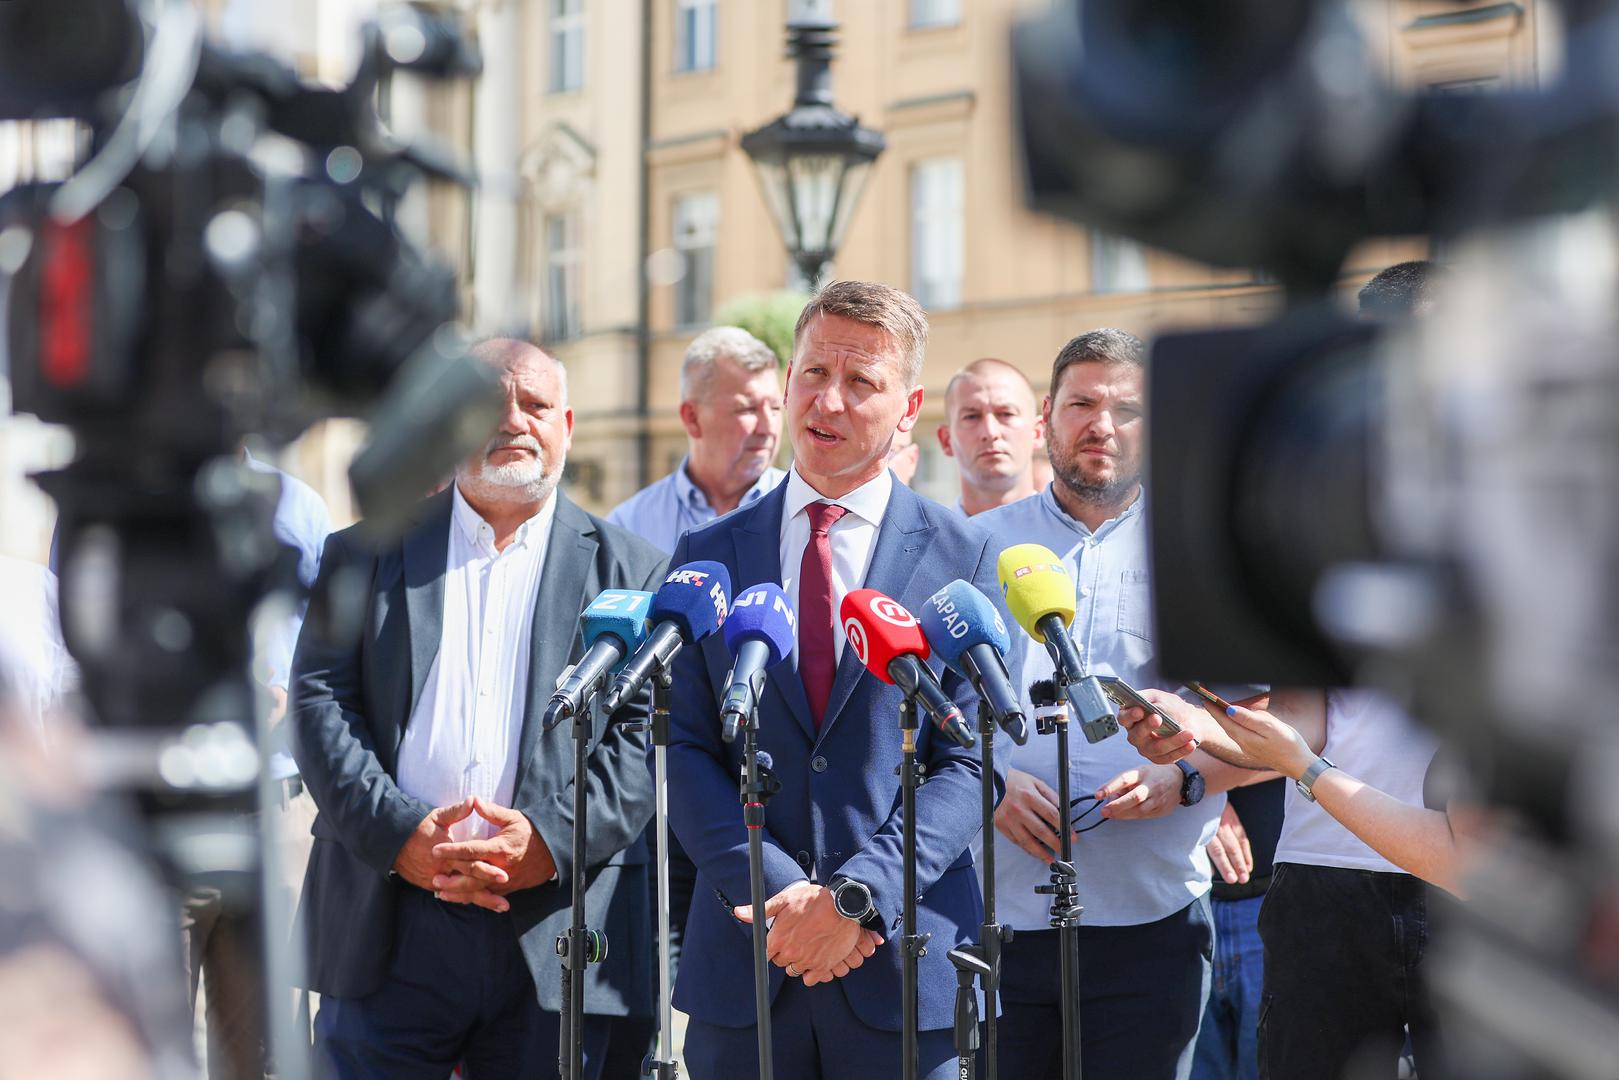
<point x="762" y="613"/>
<point x="620" y="612"/>
<point x="764" y="758"/>
<point x="695" y="597"/>
<point x="879" y="629"/>
<point x="957" y="617"/>
<point x="1036" y="584"/>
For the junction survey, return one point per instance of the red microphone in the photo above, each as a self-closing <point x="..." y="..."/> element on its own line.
<point x="890" y="642"/>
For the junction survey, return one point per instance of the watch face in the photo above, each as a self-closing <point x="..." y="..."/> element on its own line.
<point x="851" y="900"/>
<point x="1192" y="789"/>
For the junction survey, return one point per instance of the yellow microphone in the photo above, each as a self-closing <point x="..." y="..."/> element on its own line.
<point x="1041" y="597"/>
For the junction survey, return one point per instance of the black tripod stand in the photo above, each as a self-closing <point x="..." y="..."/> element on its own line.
<point x="984" y="959"/>
<point x="580" y="946"/>
<point x="1051" y="715"/>
<point x="913" y="946"/>
<point x="758" y="785"/>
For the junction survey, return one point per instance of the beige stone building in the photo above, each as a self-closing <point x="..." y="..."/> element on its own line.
<point x="618" y="210"/>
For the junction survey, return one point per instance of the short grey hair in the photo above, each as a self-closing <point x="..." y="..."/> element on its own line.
<point x="496" y="350"/>
<point x="715" y="343"/>
<point x="1104" y="346"/>
<point x="894" y="312"/>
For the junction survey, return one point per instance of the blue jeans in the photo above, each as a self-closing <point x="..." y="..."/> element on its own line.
<point x="1228" y="1042"/>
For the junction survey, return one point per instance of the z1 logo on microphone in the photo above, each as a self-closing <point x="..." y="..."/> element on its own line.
<point x="892" y="612"/>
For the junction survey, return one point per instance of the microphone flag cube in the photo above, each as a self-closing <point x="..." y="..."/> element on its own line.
<point x="695" y="597"/>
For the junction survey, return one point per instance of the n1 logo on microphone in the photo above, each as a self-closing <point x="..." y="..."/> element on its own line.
<point x="892" y="612"/>
<point x="698" y="579"/>
<point x="759" y="596"/>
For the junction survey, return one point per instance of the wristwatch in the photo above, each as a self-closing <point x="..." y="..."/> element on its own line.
<point x="852" y="899"/>
<point x="1306" y="783"/>
<point x="1192" y="784"/>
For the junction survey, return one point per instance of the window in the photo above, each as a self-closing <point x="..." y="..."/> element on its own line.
<point x="567" y="45"/>
<point x="935" y="12"/>
<point x="560" y="316"/>
<point x="694" y="35"/>
<point x="936" y="233"/>
<point x="696" y="223"/>
<point x="1118" y="264"/>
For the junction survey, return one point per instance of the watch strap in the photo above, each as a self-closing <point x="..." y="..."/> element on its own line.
<point x="1306" y="783"/>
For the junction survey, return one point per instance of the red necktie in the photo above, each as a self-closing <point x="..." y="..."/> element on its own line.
<point x="817" y="658"/>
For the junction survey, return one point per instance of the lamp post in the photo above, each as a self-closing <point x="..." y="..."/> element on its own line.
<point x="814" y="160"/>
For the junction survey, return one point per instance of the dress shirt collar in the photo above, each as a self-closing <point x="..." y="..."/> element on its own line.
<point x="481" y="535"/>
<point x="868" y="502"/>
<point x="689" y="494"/>
<point x="1048" y="499"/>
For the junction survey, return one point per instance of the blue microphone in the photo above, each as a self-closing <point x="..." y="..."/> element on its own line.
<point x="760" y="632"/>
<point x="691" y="605"/>
<point x="614" y="625"/>
<point x="968" y="634"/>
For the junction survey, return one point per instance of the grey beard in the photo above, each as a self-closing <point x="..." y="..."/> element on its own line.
<point x="489" y="488"/>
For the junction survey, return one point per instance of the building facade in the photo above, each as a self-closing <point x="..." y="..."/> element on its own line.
<point x="617" y="211"/>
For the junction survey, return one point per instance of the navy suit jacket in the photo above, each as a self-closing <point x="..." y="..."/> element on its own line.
<point x="367" y="645"/>
<point x="839" y="807"/>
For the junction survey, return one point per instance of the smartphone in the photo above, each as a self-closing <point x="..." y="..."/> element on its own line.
<point x="1207" y="695"/>
<point x="1126" y="696"/>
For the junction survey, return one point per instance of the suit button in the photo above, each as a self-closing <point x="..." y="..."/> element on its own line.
<point x="818" y="763"/>
<point x="803" y="858"/>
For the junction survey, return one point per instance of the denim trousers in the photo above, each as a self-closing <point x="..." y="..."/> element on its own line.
<point x="1343" y="978"/>
<point x="1228" y="1041"/>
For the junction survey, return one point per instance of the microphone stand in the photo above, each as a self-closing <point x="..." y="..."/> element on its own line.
<point x="991" y="935"/>
<point x="913" y="945"/>
<point x="580" y="946"/>
<point x="1064" y="892"/>
<point x="758" y="785"/>
<point x="661" y="1065"/>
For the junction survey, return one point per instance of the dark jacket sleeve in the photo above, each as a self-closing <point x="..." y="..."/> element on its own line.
<point x="948" y="805"/>
<point x="619" y="799"/>
<point x="332" y="740"/>
<point x="704" y="809"/>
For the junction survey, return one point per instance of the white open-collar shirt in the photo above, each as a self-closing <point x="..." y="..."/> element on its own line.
<point x="463" y="735"/>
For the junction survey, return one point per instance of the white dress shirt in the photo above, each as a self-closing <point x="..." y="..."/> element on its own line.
<point x="36" y="670"/>
<point x="854" y="539"/>
<point x="463" y="736"/>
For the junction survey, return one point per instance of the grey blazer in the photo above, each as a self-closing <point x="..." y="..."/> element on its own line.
<point x="370" y="638"/>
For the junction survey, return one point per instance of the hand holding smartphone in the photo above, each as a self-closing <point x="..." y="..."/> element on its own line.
<point x="1126" y="696"/>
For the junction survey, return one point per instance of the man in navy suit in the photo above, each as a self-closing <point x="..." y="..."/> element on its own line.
<point x="442" y="864"/>
<point x="832" y="862"/>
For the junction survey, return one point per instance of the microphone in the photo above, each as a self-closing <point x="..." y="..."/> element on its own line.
<point x="760" y="633"/>
<point x="690" y="606"/>
<point x="967" y="633"/>
<point x="889" y="641"/>
<point x="613" y="625"/>
<point x="1040" y="596"/>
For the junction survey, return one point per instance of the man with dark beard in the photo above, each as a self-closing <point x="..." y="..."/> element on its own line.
<point x="442" y="863"/>
<point x="1139" y="828"/>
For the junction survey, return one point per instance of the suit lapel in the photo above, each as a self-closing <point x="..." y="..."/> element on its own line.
<point x="758" y="559"/>
<point x="570" y="555"/>
<point x="901" y="539"/>
<point x="426" y="549"/>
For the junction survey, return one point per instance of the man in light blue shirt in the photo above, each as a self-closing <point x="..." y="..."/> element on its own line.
<point x="1140" y="828"/>
<point x="730" y="404"/>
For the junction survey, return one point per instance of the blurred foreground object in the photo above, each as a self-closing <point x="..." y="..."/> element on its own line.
<point x="1432" y="509"/>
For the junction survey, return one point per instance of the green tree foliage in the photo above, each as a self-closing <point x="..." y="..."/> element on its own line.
<point x="770" y="317"/>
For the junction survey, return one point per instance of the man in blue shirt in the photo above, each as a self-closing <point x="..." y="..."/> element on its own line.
<point x="1140" y="828"/>
<point x="730" y="404"/>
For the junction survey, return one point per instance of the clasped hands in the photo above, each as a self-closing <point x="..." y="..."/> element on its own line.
<point x="809" y="938"/>
<point x="480" y="872"/>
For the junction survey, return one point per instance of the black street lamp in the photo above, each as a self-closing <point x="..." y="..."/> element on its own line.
<point x="813" y="161"/>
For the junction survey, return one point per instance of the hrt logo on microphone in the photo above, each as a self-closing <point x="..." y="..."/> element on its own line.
<point x="698" y="579"/>
<point x="892" y="612"/>
<point x="758" y="596"/>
